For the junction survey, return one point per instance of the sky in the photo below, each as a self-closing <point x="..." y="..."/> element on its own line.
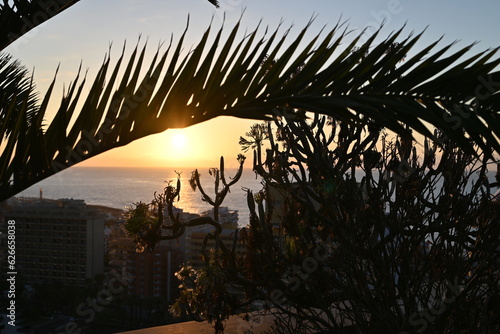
<point x="84" y="33"/>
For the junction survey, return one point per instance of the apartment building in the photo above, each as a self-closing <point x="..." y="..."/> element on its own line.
<point x="150" y="273"/>
<point x="56" y="240"/>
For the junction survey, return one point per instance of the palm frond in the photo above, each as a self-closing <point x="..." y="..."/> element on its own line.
<point x="214" y="2"/>
<point x="253" y="78"/>
<point x="20" y="16"/>
<point x="16" y="89"/>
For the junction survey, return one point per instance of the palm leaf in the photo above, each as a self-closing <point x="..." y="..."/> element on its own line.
<point x="252" y="78"/>
<point x="15" y="84"/>
<point x="20" y="16"/>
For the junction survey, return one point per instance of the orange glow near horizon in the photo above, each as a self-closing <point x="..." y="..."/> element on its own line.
<point x="199" y="146"/>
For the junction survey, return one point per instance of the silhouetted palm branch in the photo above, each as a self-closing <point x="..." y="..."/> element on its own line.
<point x="16" y="90"/>
<point x="252" y="78"/>
<point x="20" y="16"/>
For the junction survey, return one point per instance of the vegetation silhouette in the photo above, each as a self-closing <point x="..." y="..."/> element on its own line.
<point x="340" y="75"/>
<point x="376" y="272"/>
<point x="353" y="232"/>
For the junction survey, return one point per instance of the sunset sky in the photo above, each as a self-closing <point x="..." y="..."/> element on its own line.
<point x="84" y="32"/>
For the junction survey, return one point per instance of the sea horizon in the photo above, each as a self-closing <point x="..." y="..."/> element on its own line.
<point x="121" y="187"/>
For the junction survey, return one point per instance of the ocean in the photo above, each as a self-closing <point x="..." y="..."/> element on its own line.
<point x="121" y="187"/>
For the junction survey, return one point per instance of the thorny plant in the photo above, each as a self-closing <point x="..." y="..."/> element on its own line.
<point x="355" y="231"/>
<point x="146" y="226"/>
<point x="402" y="227"/>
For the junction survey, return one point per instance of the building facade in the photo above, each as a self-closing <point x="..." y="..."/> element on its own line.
<point x="151" y="273"/>
<point x="56" y="240"/>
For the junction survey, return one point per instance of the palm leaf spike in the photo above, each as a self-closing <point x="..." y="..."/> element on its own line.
<point x="214" y="2"/>
<point x="235" y="77"/>
<point x="15" y="83"/>
<point x="21" y="16"/>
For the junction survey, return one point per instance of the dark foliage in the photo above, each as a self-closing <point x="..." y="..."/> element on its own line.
<point x="355" y="232"/>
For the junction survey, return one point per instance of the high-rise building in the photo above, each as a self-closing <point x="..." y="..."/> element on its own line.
<point x="150" y="273"/>
<point x="56" y="240"/>
<point x="119" y="250"/>
<point x="153" y="273"/>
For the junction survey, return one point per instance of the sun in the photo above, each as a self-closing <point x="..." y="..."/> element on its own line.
<point x="179" y="141"/>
